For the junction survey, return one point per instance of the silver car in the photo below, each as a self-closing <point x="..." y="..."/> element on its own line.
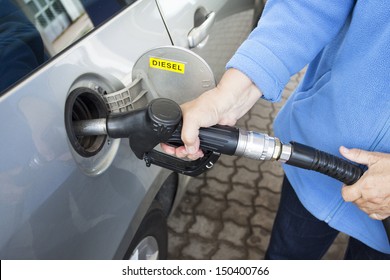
<point x="69" y="197"/>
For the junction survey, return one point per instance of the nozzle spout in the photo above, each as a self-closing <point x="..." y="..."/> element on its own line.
<point x="90" y="127"/>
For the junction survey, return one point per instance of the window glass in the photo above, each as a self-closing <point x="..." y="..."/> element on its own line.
<point x="33" y="31"/>
<point x="42" y="2"/>
<point x="32" y="7"/>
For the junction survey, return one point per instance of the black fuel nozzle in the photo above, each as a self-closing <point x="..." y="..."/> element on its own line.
<point x="158" y="122"/>
<point x="147" y="127"/>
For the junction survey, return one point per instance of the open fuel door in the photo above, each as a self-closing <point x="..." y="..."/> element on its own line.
<point x="170" y="72"/>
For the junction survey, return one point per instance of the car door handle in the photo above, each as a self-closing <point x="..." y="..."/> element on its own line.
<point x="198" y="34"/>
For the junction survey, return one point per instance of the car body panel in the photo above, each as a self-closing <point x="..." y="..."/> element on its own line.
<point x="224" y="36"/>
<point x="48" y="204"/>
<point x="55" y="204"/>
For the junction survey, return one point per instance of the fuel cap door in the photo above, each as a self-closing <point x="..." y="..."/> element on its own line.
<point x="174" y="73"/>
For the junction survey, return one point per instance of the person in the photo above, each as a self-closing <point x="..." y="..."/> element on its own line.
<point x="342" y="101"/>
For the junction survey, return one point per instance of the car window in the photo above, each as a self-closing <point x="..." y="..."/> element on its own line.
<point x="33" y="31"/>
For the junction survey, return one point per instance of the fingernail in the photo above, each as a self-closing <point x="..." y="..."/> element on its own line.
<point x="344" y="150"/>
<point x="190" y="149"/>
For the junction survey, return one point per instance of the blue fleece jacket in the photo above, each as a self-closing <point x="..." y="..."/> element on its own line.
<point x="344" y="98"/>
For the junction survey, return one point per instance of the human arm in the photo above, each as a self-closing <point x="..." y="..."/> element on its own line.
<point x="371" y="193"/>
<point x="290" y="34"/>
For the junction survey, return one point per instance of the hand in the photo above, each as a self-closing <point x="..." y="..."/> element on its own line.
<point x="225" y="104"/>
<point x="372" y="192"/>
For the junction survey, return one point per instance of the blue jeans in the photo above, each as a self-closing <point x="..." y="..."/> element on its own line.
<point x="298" y="235"/>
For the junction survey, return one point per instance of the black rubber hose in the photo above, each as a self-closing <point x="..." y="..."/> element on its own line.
<point x="312" y="159"/>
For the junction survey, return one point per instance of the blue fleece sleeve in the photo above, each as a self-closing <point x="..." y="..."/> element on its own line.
<point x="289" y="35"/>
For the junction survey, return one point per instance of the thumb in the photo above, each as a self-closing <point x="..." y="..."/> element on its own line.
<point x="190" y="136"/>
<point x="351" y="193"/>
<point x="356" y="155"/>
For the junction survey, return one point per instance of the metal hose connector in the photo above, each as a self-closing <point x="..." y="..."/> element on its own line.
<point x="255" y="145"/>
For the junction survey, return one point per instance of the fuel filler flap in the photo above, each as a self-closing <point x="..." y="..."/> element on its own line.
<point x="168" y="72"/>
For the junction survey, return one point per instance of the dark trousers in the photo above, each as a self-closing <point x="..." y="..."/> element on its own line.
<point x="298" y="235"/>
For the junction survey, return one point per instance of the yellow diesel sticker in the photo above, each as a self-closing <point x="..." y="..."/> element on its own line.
<point x="167" y="65"/>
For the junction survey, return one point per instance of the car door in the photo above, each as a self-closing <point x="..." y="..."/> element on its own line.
<point x="212" y="29"/>
<point x="78" y="198"/>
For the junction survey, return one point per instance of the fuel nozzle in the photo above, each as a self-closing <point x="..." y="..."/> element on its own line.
<point x="145" y="128"/>
<point x="160" y="122"/>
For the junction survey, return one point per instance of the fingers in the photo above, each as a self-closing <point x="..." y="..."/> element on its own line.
<point x="189" y="136"/>
<point x="193" y="119"/>
<point x="196" y="155"/>
<point x="375" y="211"/>
<point x="356" y="155"/>
<point x="377" y="216"/>
<point x="168" y="149"/>
<point x="191" y="142"/>
<point x="377" y="208"/>
<point x="371" y="193"/>
<point x="351" y="193"/>
<point x="181" y="152"/>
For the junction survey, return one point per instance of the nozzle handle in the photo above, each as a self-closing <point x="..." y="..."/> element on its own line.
<point x="218" y="138"/>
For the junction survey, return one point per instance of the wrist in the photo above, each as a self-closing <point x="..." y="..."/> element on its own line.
<point x="237" y="84"/>
<point x="237" y="94"/>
